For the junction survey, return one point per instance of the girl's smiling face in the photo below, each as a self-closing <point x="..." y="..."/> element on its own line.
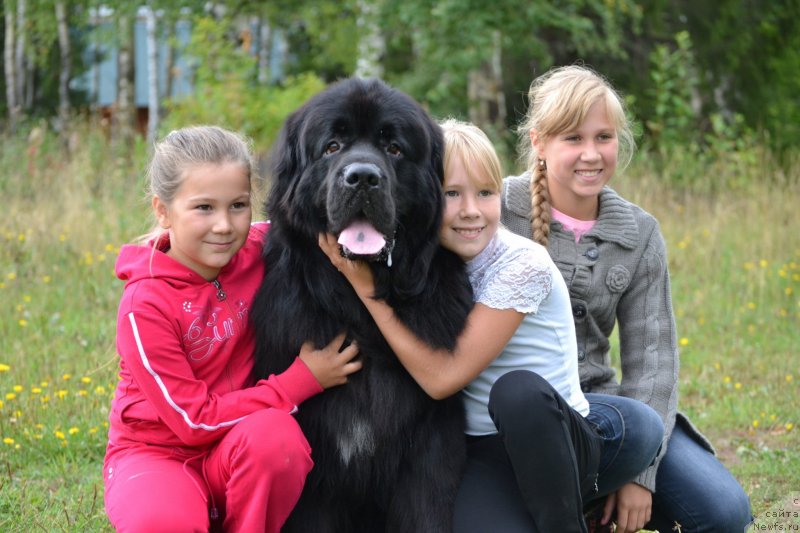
<point x="471" y="211"/>
<point x="209" y="218"/>
<point x="580" y="163"/>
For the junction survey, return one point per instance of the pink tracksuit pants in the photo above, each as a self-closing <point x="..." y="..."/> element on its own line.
<point x="252" y="478"/>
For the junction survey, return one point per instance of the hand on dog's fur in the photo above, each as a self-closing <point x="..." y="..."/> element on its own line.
<point x="357" y="272"/>
<point x="330" y="366"/>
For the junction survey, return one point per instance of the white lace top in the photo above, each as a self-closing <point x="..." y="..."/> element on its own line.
<point x="513" y="272"/>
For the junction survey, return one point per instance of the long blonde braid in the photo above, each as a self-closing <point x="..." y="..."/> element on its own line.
<point x="540" y="205"/>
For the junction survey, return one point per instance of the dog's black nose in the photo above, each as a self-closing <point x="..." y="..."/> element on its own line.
<point x="359" y="175"/>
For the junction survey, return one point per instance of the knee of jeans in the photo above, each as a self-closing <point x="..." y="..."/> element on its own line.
<point x="518" y="390"/>
<point x="732" y="512"/>
<point x="647" y="429"/>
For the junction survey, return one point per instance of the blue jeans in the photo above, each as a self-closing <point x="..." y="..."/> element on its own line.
<point x="696" y="491"/>
<point x="693" y="488"/>
<point x="632" y="434"/>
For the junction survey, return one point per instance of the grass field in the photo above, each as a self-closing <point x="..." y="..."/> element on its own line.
<point x="734" y="260"/>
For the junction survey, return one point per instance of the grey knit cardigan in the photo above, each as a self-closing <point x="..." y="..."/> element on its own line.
<point x="617" y="275"/>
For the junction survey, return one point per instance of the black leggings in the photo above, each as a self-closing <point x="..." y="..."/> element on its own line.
<point x="533" y="474"/>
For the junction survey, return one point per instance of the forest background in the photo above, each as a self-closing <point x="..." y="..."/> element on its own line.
<point x="713" y="87"/>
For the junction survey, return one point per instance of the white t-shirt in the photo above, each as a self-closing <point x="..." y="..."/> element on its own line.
<point x="513" y="272"/>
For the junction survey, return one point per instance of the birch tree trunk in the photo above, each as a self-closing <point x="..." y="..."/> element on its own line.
<point x="487" y="101"/>
<point x="152" y="76"/>
<point x="66" y="63"/>
<point x="264" y="49"/>
<point x="371" y="44"/>
<point x="123" y="118"/>
<point x="10" y="69"/>
<point x="19" y="56"/>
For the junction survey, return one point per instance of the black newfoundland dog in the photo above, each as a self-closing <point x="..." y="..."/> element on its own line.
<point x="364" y="161"/>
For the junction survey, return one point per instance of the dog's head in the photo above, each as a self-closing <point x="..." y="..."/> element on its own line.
<point x="363" y="161"/>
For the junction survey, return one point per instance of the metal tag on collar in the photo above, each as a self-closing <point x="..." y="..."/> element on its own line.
<point x="220" y="293"/>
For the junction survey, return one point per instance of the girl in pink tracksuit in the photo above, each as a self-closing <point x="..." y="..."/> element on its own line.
<point x="193" y="441"/>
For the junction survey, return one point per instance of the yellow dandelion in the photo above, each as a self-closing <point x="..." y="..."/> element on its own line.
<point x="2" y="284"/>
<point x="26" y="298"/>
<point x="46" y="279"/>
<point x="782" y="273"/>
<point x="701" y="320"/>
<point x="92" y="430"/>
<point x="788" y="291"/>
<point x="36" y="390"/>
<point x="23" y="323"/>
<point x="21" y="237"/>
<point x="682" y="245"/>
<point x="749" y="265"/>
<point x="8" y="440"/>
<point x="39" y="426"/>
<point x="684" y="341"/>
<point x="83" y="392"/>
<point x="772" y="418"/>
<point x="737" y="385"/>
<point x="109" y="248"/>
<point x="17" y="388"/>
<point x="10" y="396"/>
<point x="66" y="377"/>
<point x="789" y="378"/>
<point x="795" y="277"/>
<point x="717" y="366"/>
<point x="763" y="263"/>
<point x="60" y="435"/>
<point x="99" y="390"/>
<point x="4" y="367"/>
<point x="726" y="379"/>
<point x="789" y="426"/>
<point x="11" y="276"/>
<point x="100" y="258"/>
<point x="73" y="430"/>
<point x="61" y="393"/>
<point x="62" y="237"/>
<point x="44" y="384"/>
<point x="751" y="305"/>
<point x="86" y="379"/>
<point x="1" y="404"/>
<point x="756" y="423"/>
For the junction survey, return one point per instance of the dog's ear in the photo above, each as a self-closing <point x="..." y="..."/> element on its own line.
<point x="286" y="154"/>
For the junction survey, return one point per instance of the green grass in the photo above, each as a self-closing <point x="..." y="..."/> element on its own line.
<point x="734" y="260"/>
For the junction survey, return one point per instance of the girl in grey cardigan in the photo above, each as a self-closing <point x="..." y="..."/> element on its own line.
<point x="613" y="257"/>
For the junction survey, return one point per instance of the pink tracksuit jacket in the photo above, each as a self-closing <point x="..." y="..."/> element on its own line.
<point x="185" y="388"/>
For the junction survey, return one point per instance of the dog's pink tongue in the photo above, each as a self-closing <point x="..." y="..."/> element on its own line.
<point x="362" y="239"/>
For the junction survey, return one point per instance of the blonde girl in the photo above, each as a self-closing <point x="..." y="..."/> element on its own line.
<point x="611" y="253"/>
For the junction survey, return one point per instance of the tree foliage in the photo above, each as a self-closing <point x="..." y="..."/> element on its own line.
<point x="689" y="69"/>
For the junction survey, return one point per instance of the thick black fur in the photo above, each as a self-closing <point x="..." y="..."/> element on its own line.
<point x="387" y="457"/>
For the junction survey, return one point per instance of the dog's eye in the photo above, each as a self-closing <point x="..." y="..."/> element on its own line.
<point x="332" y="147"/>
<point x="393" y="149"/>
